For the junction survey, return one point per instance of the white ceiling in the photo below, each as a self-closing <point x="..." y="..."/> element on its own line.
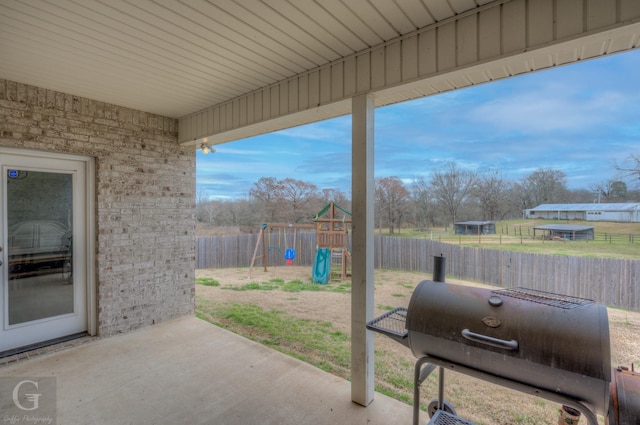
<point x="176" y="57"/>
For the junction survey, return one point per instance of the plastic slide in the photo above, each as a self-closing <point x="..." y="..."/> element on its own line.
<point x="322" y="266"/>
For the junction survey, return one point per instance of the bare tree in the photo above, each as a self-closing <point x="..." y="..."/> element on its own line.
<point x="610" y="191"/>
<point x="267" y="191"/>
<point x="632" y="171"/>
<point x="337" y="196"/>
<point x="201" y="196"/>
<point x="202" y="207"/>
<point x="423" y="206"/>
<point x="543" y="186"/>
<point x="491" y="191"/>
<point x="582" y="196"/>
<point x="391" y="197"/>
<point x="298" y="196"/>
<point x="242" y="213"/>
<point x="451" y="187"/>
<point x="288" y="200"/>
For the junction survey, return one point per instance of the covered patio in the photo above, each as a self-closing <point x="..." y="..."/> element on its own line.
<point x="125" y="92"/>
<point x="191" y="372"/>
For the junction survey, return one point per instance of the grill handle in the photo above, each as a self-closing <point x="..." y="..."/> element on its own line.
<point x="487" y="340"/>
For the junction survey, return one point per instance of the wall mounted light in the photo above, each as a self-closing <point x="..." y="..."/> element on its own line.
<point x="206" y="148"/>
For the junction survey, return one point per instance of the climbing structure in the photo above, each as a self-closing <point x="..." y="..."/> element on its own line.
<point x="332" y="243"/>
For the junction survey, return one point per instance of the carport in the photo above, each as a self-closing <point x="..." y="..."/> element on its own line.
<point x="566" y="232"/>
<point x="475" y="228"/>
<point x="136" y="87"/>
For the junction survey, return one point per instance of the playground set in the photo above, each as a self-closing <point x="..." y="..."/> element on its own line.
<point x="332" y="252"/>
<point x="332" y="244"/>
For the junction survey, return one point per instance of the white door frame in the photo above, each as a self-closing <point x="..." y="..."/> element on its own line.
<point x="85" y="188"/>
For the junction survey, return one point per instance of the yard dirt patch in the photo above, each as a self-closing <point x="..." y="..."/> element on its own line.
<point x="475" y="400"/>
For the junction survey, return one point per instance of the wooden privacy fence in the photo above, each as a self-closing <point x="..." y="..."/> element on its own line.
<point x="237" y="250"/>
<point x="614" y="282"/>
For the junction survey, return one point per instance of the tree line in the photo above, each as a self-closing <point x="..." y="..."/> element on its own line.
<point x="449" y="195"/>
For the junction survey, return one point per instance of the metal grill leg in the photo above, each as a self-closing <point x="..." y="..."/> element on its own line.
<point x="420" y="375"/>
<point x="440" y="388"/>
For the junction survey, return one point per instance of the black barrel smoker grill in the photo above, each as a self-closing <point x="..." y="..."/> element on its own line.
<point x="552" y="346"/>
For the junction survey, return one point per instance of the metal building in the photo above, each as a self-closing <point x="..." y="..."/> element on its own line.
<point x="623" y="212"/>
<point x="475" y="228"/>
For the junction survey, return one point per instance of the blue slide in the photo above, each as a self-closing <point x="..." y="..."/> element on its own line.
<point x="322" y="266"/>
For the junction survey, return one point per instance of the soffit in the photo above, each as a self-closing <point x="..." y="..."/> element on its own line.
<point x="174" y="58"/>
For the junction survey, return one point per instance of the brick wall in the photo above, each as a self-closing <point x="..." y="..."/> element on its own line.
<point x="145" y="197"/>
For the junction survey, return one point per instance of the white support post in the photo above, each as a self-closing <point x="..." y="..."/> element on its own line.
<point x="362" y="384"/>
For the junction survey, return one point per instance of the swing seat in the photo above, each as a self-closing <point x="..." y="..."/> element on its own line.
<point x="290" y="255"/>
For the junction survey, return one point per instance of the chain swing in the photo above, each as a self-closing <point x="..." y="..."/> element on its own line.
<point x="289" y="253"/>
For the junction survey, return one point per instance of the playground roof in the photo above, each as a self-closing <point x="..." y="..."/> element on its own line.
<point x="326" y="208"/>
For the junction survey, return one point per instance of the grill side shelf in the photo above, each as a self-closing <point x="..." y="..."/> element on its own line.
<point x="392" y="324"/>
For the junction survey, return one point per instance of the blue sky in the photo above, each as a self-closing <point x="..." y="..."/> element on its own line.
<point x="581" y="119"/>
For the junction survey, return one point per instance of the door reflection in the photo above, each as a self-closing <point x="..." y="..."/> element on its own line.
<point x="39" y="206"/>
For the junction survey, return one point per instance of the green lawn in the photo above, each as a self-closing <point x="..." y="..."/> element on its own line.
<point x="613" y="240"/>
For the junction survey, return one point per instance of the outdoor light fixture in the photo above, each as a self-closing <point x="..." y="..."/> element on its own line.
<point x="206" y="148"/>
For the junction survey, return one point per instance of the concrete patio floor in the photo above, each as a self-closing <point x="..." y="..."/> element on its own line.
<point x="187" y="371"/>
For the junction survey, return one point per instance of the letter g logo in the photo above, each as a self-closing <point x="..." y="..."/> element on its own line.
<point x="33" y="398"/>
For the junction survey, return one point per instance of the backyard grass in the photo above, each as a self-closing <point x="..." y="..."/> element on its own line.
<point x="207" y="281"/>
<point x="282" y="309"/>
<point x="593" y="249"/>
<point x="314" y="326"/>
<point x="314" y="341"/>
<point x="613" y="240"/>
<point x="523" y="227"/>
<point x="296" y="285"/>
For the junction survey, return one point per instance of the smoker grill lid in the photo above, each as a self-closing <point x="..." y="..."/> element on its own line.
<point x="553" y="342"/>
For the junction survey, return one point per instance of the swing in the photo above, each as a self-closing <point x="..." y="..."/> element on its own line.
<point x="289" y="253"/>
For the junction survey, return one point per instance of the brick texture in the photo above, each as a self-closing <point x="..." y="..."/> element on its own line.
<point x="145" y="194"/>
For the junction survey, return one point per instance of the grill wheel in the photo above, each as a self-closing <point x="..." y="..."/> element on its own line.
<point x="433" y="408"/>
